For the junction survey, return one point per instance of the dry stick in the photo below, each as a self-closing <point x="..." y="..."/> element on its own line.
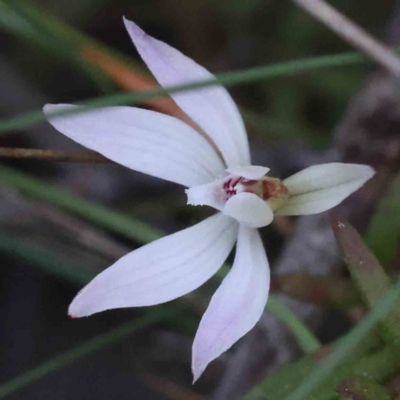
<point x="53" y="155"/>
<point x="352" y="33"/>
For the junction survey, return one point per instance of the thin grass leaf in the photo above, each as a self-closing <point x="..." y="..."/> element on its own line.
<point x="117" y="222"/>
<point x="378" y="367"/>
<point x="60" y="267"/>
<point x="89" y="347"/>
<point x="26" y="22"/>
<point x="383" y="234"/>
<point x="89" y="56"/>
<point x="306" y="340"/>
<point x="368" y="275"/>
<point x="65" y="42"/>
<point x="347" y="347"/>
<point x="227" y="79"/>
<point x="45" y="260"/>
<point x="278" y="385"/>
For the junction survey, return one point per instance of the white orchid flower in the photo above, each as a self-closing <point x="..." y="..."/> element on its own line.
<point x="166" y="148"/>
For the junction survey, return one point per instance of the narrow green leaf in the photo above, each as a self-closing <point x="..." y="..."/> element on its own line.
<point x="59" y="266"/>
<point x="377" y="367"/>
<point x="364" y="268"/>
<point x="95" y="344"/>
<point x="117" y="222"/>
<point x="45" y="260"/>
<point x="305" y="338"/>
<point x="23" y="20"/>
<point x="278" y="385"/>
<point x="227" y="79"/>
<point x="383" y="234"/>
<point x="369" y="277"/>
<point x="348" y="346"/>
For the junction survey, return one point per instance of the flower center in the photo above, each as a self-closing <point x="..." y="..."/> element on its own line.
<point x="269" y="189"/>
<point x="235" y="186"/>
<point x="217" y="193"/>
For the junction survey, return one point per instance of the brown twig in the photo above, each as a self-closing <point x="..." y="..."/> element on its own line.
<point x="352" y="33"/>
<point x="53" y="155"/>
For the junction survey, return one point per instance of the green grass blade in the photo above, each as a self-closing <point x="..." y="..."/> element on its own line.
<point x="383" y="234"/>
<point x="346" y="347"/>
<point x="117" y="222"/>
<point x="89" y="347"/>
<point x="365" y="270"/>
<point x="279" y="384"/>
<point x="60" y="267"/>
<point x="227" y="79"/>
<point x="46" y="260"/>
<point x="305" y="338"/>
<point x="23" y="20"/>
<point x="369" y="277"/>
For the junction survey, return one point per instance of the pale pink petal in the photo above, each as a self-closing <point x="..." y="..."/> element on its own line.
<point x="321" y="187"/>
<point x="249" y="171"/>
<point x="160" y="271"/>
<point x="249" y="209"/>
<point x="211" y="108"/>
<point x="145" y="141"/>
<point x="238" y="303"/>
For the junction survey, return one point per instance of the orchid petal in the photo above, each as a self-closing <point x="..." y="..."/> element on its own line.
<point x="238" y="303"/>
<point x="211" y="108"/>
<point x="211" y="194"/>
<point x="162" y="270"/>
<point x="321" y="187"/>
<point x="145" y="141"/>
<point x="249" y="171"/>
<point x="249" y="209"/>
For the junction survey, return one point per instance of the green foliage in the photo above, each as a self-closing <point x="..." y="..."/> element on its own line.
<point x="369" y="277"/>
<point x="305" y="339"/>
<point x="362" y="389"/>
<point x="23" y="20"/>
<point x="47" y="261"/>
<point x="348" y="345"/>
<point x="119" y="223"/>
<point x="95" y="344"/>
<point x="281" y="383"/>
<point x="226" y="79"/>
<point x="383" y="235"/>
